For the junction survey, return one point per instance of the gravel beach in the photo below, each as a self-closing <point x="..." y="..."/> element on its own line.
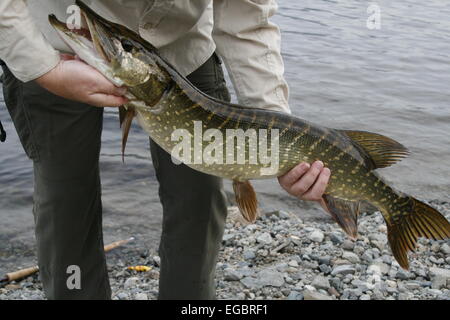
<point x="283" y="257"/>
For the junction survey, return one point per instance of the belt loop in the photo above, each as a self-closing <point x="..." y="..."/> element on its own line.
<point x="2" y="131"/>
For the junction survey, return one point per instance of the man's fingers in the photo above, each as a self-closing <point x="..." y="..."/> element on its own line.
<point x="293" y="175"/>
<point x="308" y="179"/>
<point x="104" y="86"/>
<point x="106" y="100"/>
<point x="317" y="190"/>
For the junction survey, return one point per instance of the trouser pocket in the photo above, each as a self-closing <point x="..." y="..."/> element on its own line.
<point x="209" y="78"/>
<point x="13" y="94"/>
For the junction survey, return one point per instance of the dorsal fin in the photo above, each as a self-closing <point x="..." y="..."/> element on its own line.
<point x="382" y="151"/>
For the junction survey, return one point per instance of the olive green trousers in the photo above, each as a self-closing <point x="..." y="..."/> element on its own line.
<point x="63" y="139"/>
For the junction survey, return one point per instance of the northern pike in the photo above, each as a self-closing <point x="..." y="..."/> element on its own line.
<point x="165" y="101"/>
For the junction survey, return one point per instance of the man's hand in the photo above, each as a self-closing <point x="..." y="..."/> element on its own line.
<point x="75" y="80"/>
<point x="307" y="182"/>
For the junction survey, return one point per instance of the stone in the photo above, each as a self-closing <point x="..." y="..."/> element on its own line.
<point x="321" y="282"/>
<point x="374" y="269"/>
<point x="445" y="249"/>
<point x="325" y="269"/>
<point x="141" y="296"/>
<point x="293" y="263"/>
<point x="364" y="297"/>
<point x="316" y="236"/>
<point x="122" y="296"/>
<point x="324" y="260"/>
<point x="264" y="238"/>
<point x="295" y="295"/>
<point x="232" y="275"/>
<point x="314" y="295"/>
<point x="348" y="245"/>
<point x="131" y="283"/>
<point x="391" y="284"/>
<point x="251" y="283"/>
<point x="435" y="247"/>
<point x="270" y="277"/>
<point x="351" y="257"/>
<point x="249" y="254"/>
<point x="403" y="275"/>
<point x="336" y="238"/>
<point x="413" y="285"/>
<point x="343" y="270"/>
<point x="439" y="277"/>
<point x="228" y="237"/>
<point x="157" y="261"/>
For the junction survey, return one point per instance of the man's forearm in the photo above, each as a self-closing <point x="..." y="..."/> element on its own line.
<point x="22" y="46"/>
<point x="250" y="47"/>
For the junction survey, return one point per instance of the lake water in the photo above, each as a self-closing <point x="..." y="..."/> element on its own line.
<point x="394" y="80"/>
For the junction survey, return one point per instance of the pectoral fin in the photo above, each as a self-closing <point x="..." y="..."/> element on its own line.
<point x="126" y="116"/>
<point x="246" y="199"/>
<point x="345" y="213"/>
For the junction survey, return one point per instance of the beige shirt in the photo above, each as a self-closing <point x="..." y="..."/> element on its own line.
<point x="186" y="32"/>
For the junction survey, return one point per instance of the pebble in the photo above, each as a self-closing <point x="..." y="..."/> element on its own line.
<point x="295" y="295"/>
<point x="336" y="238"/>
<point x="315" y="295"/>
<point x="445" y="249"/>
<point x="141" y="296"/>
<point x="232" y="275"/>
<point x="439" y="277"/>
<point x="270" y="277"/>
<point x="249" y="254"/>
<point x="264" y="238"/>
<point x="321" y="282"/>
<point x="403" y="275"/>
<point x="348" y="245"/>
<point x="157" y="261"/>
<point x="131" y="283"/>
<point x="351" y="257"/>
<point x="316" y="236"/>
<point x="343" y="270"/>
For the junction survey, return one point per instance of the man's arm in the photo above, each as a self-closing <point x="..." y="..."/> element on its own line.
<point x="22" y="46"/>
<point x="29" y="56"/>
<point x="250" y="46"/>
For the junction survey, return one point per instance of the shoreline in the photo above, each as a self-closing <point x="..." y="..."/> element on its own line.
<point x="283" y="257"/>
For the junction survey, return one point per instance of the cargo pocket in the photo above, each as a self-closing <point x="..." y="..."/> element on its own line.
<point x="13" y="94"/>
<point x="222" y="91"/>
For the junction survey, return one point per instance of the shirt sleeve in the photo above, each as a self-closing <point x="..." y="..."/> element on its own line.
<point x="23" y="48"/>
<point x="250" y="46"/>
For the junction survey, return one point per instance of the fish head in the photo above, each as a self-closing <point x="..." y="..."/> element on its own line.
<point x="120" y="54"/>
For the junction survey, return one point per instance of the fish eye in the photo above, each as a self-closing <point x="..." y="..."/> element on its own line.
<point x="127" y="45"/>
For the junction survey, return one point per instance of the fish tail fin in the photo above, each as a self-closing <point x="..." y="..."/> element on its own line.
<point x="415" y="219"/>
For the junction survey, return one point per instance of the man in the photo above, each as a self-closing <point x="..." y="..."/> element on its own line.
<point x="55" y="102"/>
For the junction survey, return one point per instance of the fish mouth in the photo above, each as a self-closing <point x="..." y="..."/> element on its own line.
<point x="91" y="41"/>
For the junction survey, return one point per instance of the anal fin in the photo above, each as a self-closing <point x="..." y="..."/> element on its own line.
<point x="246" y="200"/>
<point x="345" y="213"/>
